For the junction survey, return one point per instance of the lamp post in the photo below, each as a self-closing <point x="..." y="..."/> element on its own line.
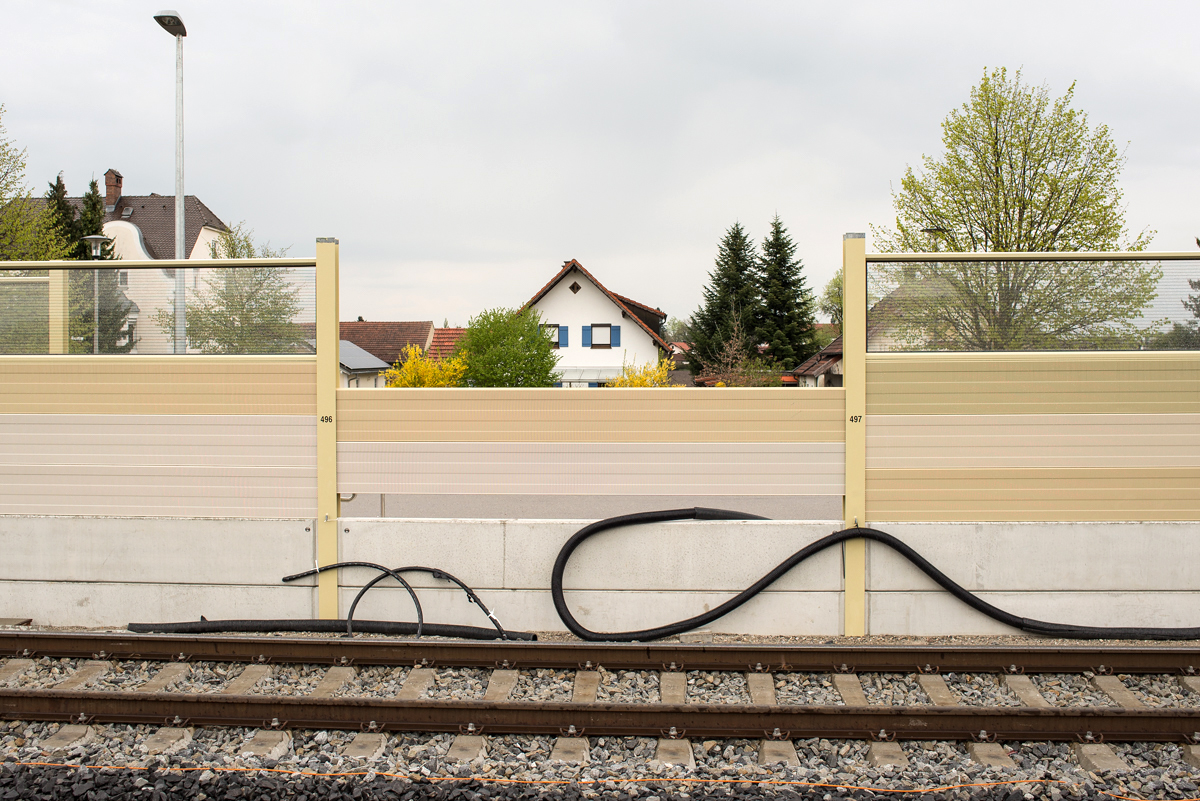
<point x="172" y="24"/>
<point x="96" y="243"/>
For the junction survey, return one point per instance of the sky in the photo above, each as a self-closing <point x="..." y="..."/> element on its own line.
<point x="461" y="151"/>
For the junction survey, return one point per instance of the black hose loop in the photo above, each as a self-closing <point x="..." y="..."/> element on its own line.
<point x="438" y="574"/>
<point x="385" y="571"/>
<point x="1024" y="624"/>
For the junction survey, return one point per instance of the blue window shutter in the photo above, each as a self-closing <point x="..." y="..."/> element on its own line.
<point x="558" y="383"/>
<point x="562" y="336"/>
<point x="587" y="336"/>
<point x="593" y="384"/>
<point x="616" y="336"/>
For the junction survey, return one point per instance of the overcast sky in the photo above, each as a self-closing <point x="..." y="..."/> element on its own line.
<point x="462" y="151"/>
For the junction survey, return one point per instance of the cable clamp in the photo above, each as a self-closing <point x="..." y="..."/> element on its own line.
<point x="930" y="669"/>
<point x="470" y="728"/>
<point x="674" y="733"/>
<point x="883" y="736"/>
<point x="1089" y="737"/>
<point x="777" y="734"/>
<point x="983" y="736"/>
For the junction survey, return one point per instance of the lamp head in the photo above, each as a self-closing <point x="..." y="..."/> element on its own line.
<point x="171" y="22"/>
<point x="96" y="242"/>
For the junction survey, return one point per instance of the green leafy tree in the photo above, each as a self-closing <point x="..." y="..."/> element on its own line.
<point x="676" y="330"/>
<point x="244" y="309"/>
<point x="507" y="348"/>
<point x="1020" y="172"/>
<point x="27" y="230"/>
<point x="784" y="314"/>
<point x="831" y="300"/>
<point x="731" y="299"/>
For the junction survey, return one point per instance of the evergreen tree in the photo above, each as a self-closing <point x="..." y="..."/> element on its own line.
<point x="731" y="294"/>
<point x="92" y="291"/>
<point x="63" y="213"/>
<point x="784" y="318"/>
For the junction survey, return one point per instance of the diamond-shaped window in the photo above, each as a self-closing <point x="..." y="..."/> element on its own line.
<point x="575" y="287"/>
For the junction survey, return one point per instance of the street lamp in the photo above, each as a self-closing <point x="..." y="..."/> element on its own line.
<point x="96" y="243"/>
<point x="172" y="24"/>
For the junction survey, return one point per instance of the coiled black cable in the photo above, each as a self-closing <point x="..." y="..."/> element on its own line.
<point x="699" y="513"/>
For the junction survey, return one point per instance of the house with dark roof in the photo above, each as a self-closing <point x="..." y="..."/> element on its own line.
<point x="595" y="331"/>
<point x="387" y="339"/>
<point x="823" y="368"/>
<point x="359" y="368"/>
<point x="142" y="228"/>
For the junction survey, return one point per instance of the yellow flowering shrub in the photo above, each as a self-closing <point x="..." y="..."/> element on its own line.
<point x="416" y="369"/>
<point x="646" y="375"/>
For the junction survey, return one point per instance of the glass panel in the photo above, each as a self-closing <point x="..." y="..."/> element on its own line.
<point x="242" y="309"/>
<point x="1033" y="305"/>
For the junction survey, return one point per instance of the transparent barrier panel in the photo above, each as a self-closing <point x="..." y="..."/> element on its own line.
<point x="1001" y="305"/>
<point x="241" y="309"/>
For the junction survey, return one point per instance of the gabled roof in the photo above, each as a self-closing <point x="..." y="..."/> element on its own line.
<point x="822" y="361"/>
<point x="572" y="265"/>
<point x="444" y="340"/>
<point x="385" y="340"/>
<point x="154" y="215"/>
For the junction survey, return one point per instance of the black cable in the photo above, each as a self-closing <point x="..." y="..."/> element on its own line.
<point x="436" y="573"/>
<point x="388" y="627"/>
<point x="699" y="513"/>
<point x="386" y="571"/>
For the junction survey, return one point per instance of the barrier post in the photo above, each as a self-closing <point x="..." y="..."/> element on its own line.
<point x="60" y="328"/>
<point x="328" y="362"/>
<point x="854" y="369"/>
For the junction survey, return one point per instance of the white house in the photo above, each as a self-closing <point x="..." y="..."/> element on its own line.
<point x="596" y="332"/>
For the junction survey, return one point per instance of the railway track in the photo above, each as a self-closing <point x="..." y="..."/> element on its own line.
<point x="84" y="691"/>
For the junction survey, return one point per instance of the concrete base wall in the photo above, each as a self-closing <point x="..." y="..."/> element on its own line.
<point x="110" y="571"/>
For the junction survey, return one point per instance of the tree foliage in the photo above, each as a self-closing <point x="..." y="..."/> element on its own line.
<point x="244" y="309"/>
<point x="1020" y="172"/>
<point x="507" y="348"/>
<point x="784" y="313"/>
<point x="831" y="299"/>
<point x="415" y="368"/>
<point x="1185" y="335"/>
<point x="731" y="299"/>
<point x="27" y="230"/>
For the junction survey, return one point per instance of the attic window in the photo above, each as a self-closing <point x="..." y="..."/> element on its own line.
<point x="575" y="287"/>
<point x="126" y="212"/>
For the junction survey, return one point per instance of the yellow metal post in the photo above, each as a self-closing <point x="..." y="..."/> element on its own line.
<point x="60" y="329"/>
<point x="327" y="380"/>
<point x="854" y="369"/>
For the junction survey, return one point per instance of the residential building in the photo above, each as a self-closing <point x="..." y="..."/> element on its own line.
<point x="386" y="340"/>
<point x="142" y="228"/>
<point x="444" y="342"/>
<point x="359" y="368"/>
<point x="823" y="369"/>
<point x="596" y="332"/>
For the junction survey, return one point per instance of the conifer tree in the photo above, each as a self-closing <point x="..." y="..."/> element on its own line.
<point x="732" y="293"/>
<point x="784" y="318"/>
<point x="114" y="307"/>
<point x="62" y="212"/>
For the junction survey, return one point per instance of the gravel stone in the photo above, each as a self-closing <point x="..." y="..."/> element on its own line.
<point x="981" y="689"/>
<point x="125" y="676"/>
<point x="1160" y="691"/>
<point x="808" y="689"/>
<point x="46" y="672"/>
<point x="207" y="677"/>
<point x="458" y="683"/>
<point x="544" y="684"/>
<point x="379" y="681"/>
<point x="892" y="689"/>
<point x="716" y="687"/>
<point x="290" y="680"/>
<point x="1069" y="689"/>
<point x="628" y="687"/>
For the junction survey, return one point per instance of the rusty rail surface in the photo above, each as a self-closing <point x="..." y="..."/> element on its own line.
<point x="633" y="656"/>
<point x="647" y="720"/>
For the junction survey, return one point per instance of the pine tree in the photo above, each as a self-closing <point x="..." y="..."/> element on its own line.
<point x="784" y="318"/>
<point x="90" y="290"/>
<point x="63" y="212"/>
<point x="732" y="293"/>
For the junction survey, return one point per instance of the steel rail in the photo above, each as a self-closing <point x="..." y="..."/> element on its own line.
<point x="632" y="656"/>
<point x="647" y="720"/>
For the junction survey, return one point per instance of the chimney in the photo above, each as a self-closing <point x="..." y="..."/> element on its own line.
<point x="112" y="189"/>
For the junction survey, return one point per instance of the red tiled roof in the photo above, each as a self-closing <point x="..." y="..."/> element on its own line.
<point x="632" y="302"/>
<point x="821" y="361"/>
<point x="385" y="340"/>
<point x="444" y="340"/>
<point x="568" y="266"/>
